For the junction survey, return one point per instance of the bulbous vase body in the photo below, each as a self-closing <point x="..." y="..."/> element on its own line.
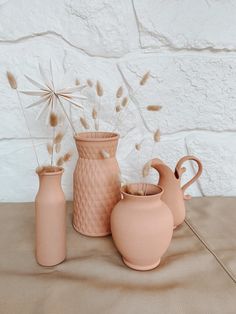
<point x="50" y="219"/>
<point x="142" y="228"/>
<point x="96" y="182"/>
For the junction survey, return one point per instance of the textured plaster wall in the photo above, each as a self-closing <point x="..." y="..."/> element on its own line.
<point x="189" y="46"/>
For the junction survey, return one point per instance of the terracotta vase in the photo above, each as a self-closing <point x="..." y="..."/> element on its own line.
<point x="50" y="219"/>
<point x="142" y="227"/>
<point x="96" y="182"/>
<point x="171" y="182"/>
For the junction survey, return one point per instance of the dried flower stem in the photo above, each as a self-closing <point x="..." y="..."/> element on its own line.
<point x="27" y="125"/>
<point x="67" y="117"/>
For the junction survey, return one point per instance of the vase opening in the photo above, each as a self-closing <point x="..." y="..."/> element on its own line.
<point x="142" y="190"/>
<point x="96" y="136"/>
<point x="49" y="170"/>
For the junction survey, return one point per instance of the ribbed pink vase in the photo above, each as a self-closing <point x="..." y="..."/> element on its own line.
<point x="96" y="182"/>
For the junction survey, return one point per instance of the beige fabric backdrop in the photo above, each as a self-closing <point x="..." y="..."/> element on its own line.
<point x="196" y="275"/>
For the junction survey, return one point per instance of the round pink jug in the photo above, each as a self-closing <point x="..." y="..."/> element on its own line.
<point x="142" y="226"/>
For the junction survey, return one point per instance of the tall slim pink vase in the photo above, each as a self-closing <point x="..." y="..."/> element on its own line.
<point x="96" y="182"/>
<point x="50" y="219"/>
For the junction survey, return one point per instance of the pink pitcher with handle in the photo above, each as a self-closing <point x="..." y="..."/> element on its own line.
<point x="170" y="181"/>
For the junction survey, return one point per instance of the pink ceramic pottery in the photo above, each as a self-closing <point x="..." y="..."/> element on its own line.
<point x="96" y="182"/>
<point x="50" y="219"/>
<point x="142" y="226"/>
<point x="173" y="194"/>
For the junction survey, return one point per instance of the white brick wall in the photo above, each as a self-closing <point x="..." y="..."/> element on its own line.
<point x="188" y="45"/>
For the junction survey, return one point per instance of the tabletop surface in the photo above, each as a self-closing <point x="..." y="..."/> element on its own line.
<point x="196" y="275"/>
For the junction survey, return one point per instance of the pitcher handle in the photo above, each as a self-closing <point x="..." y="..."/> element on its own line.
<point x="179" y="171"/>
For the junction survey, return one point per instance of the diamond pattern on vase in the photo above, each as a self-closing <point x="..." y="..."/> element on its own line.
<point x="96" y="184"/>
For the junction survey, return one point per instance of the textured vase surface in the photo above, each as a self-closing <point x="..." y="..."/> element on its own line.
<point x="50" y="219"/>
<point x="96" y="182"/>
<point x="142" y="227"/>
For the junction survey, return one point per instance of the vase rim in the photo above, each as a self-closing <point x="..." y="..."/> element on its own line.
<point x="158" y="193"/>
<point x="59" y="170"/>
<point x="85" y="136"/>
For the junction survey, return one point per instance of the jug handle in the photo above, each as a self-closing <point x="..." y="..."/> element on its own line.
<point x="179" y="171"/>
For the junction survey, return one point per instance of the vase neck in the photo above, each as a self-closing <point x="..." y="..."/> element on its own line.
<point x="142" y="192"/>
<point x="97" y="149"/>
<point x="50" y="181"/>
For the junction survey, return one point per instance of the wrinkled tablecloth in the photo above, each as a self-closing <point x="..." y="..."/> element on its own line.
<point x="196" y="275"/>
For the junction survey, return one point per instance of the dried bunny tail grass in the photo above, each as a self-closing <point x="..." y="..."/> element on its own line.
<point x="124" y="102"/>
<point x="60" y="161"/>
<point x="119" y="92"/>
<point x="144" y="79"/>
<point x="77" y="82"/>
<point x="138" y="147"/>
<point x="67" y="156"/>
<point x="146" y="169"/>
<point x="84" y="123"/>
<point x="105" y="154"/>
<point x="58" y="138"/>
<point x="153" y="108"/>
<point x="11" y="80"/>
<point x="133" y="191"/>
<point x="53" y="119"/>
<point x="49" y="149"/>
<point x="99" y="89"/>
<point x="58" y="148"/>
<point x="46" y="169"/>
<point x="118" y="108"/>
<point x="94" y="114"/>
<point x="140" y="193"/>
<point x="89" y="83"/>
<point x="157" y="136"/>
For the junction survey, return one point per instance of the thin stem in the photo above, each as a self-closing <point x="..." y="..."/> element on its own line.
<point x="68" y="119"/>
<point x="26" y="123"/>
<point x="99" y="109"/>
<point x="153" y="146"/>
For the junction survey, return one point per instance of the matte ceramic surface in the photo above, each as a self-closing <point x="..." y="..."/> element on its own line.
<point x="96" y="182"/>
<point x="142" y="227"/>
<point x="173" y="194"/>
<point x="50" y="219"/>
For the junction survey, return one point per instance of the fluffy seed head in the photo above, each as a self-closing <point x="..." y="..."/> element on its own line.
<point x="84" y="123"/>
<point x="49" y="149"/>
<point x="140" y="193"/>
<point x="77" y="82"/>
<point x="90" y="83"/>
<point x="53" y="119"/>
<point x="11" y="80"/>
<point x="119" y="92"/>
<point x="118" y="108"/>
<point x="125" y="101"/>
<point x="157" y="136"/>
<point x="153" y="108"/>
<point x="146" y="169"/>
<point x="144" y="79"/>
<point x="60" y="161"/>
<point x="58" y="138"/>
<point x="58" y="148"/>
<point x="99" y="89"/>
<point x="105" y="154"/>
<point x="67" y="156"/>
<point x="94" y="114"/>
